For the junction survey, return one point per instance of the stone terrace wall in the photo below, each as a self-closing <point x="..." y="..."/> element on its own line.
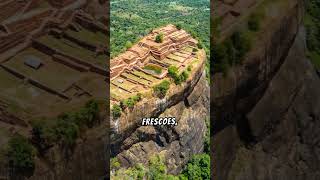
<point x="11" y="40"/>
<point x="90" y="24"/>
<point x="9" y="9"/>
<point x="50" y="51"/>
<point x="34" y="82"/>
<point x="28" y="24"/>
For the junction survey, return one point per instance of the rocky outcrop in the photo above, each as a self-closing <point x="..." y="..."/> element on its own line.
<point x="272" y="130"/>
<point x="177" y="143"/>
<point x="152" y="106"/>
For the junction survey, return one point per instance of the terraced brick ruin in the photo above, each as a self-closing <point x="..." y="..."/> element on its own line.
<point x="68" y="43"/>
<point x="132" y="143"/>
<point x="53" y="59"/>
<point x="129" y="74"/>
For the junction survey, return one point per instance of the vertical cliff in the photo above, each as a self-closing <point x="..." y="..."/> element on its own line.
<point x="266" y="110"/>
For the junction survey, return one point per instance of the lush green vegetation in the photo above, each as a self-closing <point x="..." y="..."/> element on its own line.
<point x="124" y="104"/>
<point x="116" y="111"/>
<point x="130" y="102"/>
<point x="131" y="20"/>
<point x="178" y="78"/>
<point x="65" y="129"/>
<point x="231" y="51"/>
<point x="159" y="38"/>
<point x="21" y="155"/>
<point x="154" y="68"/>
<point x="198" y="167"/>
<point x="312" y="24"/>
<point x="161" y="89"/>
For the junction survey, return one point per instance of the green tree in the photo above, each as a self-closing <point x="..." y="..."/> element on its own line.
<point x="21" y="155"/>
<point x="91" y="112"/>
<point x="116" y="111"/>
<point x="67" y="132"/>
<point x="178" y="26"/>
<point x="43" y="135"/>
<point x="184" y="75"/>
<point x="189" y="68"/>
<point x="198" y="167"/>
<point x="159" y="38"/>
<point x="157" y="168"/>
<point x="161" y="89"/>
<point x="173" y="73"/>
<point x="254" y="22"/>
<point x="114" y="163"/>
<point x="128" y="44"/>
<point x="130" y="103"/>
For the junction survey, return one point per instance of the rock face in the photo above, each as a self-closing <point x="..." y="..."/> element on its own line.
<point x="176" y="143"/>
<point x="275" y="134"/>
<point x="87" y="161"/>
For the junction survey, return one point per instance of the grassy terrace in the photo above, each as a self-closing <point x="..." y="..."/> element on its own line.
<point x="47" y="73"/>
<point x="73" y="49"/>
<point x="177" y="58"/>
<point x="136" y="78"/>
<point x="154" y="69"/>
<point x="187" y="49"/>
<point x="23" y="95"/>
<point x="117" y="93"/>
<point x="93" y="83"/>
<point x="171" y="62"/>
<point x="94" y="38"/>
<point x="182" y="54"/>
<point x="144" y="75"/>
<point x="128" y="86"/>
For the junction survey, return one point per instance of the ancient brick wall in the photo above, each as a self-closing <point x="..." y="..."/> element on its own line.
<point x="28" y="24"/>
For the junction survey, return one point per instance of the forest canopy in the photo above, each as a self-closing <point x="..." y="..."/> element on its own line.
<point x="133" y="19"/>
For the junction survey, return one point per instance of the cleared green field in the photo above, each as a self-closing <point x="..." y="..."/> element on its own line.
<point x="181" y="54"/>
<point x="187" y="49"/>
<point x="73" y="49"/>
<point x="95" y="84"/>
<point x="137" y="79"/>
<point x="153" y="68"/>
<point x="177" y="58"/>
<point x="144" y="75"/>
<point x="125" y="84"/>
<point x="47" y="73"/>
<point x="24" y="97"/>
<point x="7" y="80"/>
<point x="171" y="62"/>
<point x="118" y="93"/>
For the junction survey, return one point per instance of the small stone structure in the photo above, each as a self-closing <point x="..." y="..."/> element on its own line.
<point x="33" y="62"/>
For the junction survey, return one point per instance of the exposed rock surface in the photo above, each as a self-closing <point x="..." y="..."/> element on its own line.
<point x="86" y="162"/>
<point x="275" y="132"/>
<point x="176" y="143"/>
